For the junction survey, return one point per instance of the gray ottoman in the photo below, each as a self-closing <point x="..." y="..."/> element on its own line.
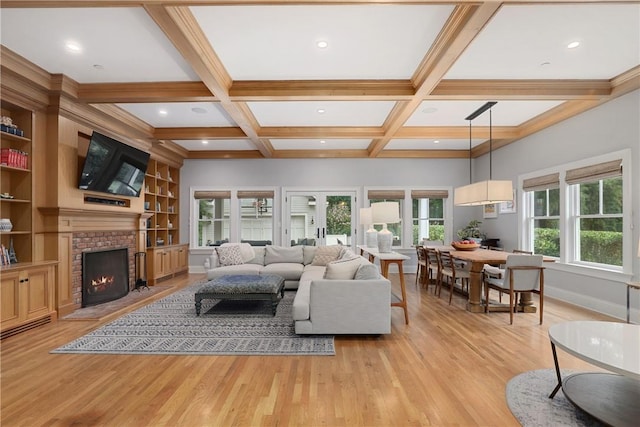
<point x="268" y="287"/>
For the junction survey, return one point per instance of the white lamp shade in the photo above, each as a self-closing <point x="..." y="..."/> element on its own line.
<point x="386" y="212"/>
<point x="483" y="193"/>
<point x="366" y="216"/>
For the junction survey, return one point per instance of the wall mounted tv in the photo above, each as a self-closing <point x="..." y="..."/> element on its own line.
<point x="113" y="167"/>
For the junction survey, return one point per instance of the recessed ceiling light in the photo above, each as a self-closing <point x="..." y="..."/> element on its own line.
<point x="163" y="112"/>
<point x="204" y="141"/>
<point x="573" y="45"/>
<point x="322" y="44"/>
<point x="98" y="67"/>
<point x="73" y="47"/>
<point x="322" y="141"/>
<point x="320" y="110"/>
<point x="429" y="110"/>
<point x="436" y="142"/>
<point x="199" y="110"/>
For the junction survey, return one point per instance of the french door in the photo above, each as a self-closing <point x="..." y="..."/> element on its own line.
<point x="319" y="217"/>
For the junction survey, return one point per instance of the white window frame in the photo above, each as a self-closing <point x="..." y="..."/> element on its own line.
<point x="234" y="215"/>
<point x="407" y="212"/>
<point x="567" y="260"/>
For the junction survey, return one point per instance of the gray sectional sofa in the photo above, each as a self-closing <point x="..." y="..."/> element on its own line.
<point x="337" y="291"/>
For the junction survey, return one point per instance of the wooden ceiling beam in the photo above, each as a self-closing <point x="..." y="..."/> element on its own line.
<point x="456" y="132"/>
<point x="320" y="154"/>
<point x="104" y="93"/>
<point x="335" y="90"/>
<point x="200" y="133"/>
<point x="520" y="89"/>
<point x="424" y="154"/>
<point x="226" y="154"/>
<point x="320" y="132"/>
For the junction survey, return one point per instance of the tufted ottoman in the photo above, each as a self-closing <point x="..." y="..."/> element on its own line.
<point x="242" y="287"/>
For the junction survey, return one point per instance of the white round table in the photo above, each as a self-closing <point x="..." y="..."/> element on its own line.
<point x="614" y="397"/>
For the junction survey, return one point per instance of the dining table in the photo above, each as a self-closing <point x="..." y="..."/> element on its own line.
<point x="478" y="258"/>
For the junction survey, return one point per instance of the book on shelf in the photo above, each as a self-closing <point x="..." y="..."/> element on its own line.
<point x="14" y="158"/>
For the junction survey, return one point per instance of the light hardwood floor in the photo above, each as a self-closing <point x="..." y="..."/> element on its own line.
<point x="448" y="367"/>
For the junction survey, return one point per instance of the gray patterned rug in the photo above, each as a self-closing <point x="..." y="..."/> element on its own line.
<point x="170" y="326"/>
<point x="528" y="400"/>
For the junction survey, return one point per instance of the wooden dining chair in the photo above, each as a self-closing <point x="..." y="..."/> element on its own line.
<point x="422" y="265"/>
<point x="433" y="267"/>
<point x="452" y="271"/>
<point x="523" y="273"/>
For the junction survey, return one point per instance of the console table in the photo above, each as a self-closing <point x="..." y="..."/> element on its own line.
<point x="386" y="259"/>
<point x="611" y="397"/>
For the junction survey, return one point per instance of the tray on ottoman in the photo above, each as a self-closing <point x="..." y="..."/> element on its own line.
<point x="268" y="287"/>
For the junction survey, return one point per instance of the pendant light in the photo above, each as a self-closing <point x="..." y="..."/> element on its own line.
<point x="484" y="192"/>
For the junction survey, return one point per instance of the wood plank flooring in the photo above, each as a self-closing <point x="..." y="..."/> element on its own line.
<point x="448" y="367"/>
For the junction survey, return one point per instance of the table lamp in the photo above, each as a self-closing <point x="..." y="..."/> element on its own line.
<point x="385" y="213"/>
<point x="371" y="235"/>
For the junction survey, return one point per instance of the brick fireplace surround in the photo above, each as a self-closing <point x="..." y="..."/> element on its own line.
<point x="88" y="241"/>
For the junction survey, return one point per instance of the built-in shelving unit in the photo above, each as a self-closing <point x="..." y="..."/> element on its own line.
<point x="161" y="200"/>
<point x="165" y="256"/>
<point x="16" y="184"/>
<point x="27" y="287"/>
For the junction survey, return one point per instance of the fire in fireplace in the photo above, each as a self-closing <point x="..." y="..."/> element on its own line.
<point x="105" y="275"/>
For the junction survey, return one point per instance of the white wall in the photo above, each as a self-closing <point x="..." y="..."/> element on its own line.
<point x="610" y="127"/>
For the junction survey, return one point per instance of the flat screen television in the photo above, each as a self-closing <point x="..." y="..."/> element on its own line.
<point x="113" y="167"/>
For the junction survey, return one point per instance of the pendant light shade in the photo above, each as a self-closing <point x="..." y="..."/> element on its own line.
<point x="485" y="192"/>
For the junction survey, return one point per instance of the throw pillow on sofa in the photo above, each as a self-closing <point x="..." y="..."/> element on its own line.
<point x="326" y="254"/>
<point x="343" y="269"/>
<point x="367" y="271"/>
<point x="246" y="251"/>
<point x="229" y="255"/>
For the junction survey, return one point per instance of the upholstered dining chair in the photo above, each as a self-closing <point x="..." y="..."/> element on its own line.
<point x="497" y="272"/>
<point x="523" y="273"/>
<point x="452" y="271"/>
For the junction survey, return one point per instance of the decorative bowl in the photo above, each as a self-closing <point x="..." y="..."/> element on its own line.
<point x="465" y="247"/>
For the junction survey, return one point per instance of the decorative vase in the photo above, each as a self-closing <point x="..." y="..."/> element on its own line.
<point x="5" y="224"/>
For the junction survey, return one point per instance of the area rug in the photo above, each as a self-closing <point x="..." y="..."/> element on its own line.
<point x="170" y="326"/>
<point x="528" y="400"/>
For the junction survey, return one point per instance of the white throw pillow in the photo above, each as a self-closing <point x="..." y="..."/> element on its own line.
<point x="326" y="254"/>
<point x="229" y="255"/>
<point x="246" y="251"/>
<point x="344" y="269"/>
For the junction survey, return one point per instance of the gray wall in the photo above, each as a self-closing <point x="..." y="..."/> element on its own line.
<point x="610" y="127"/>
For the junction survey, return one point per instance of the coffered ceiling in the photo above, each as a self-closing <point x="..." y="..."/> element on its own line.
<point x="242" y="79"/>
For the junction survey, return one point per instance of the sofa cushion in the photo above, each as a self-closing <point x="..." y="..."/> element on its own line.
<point x="258" y="253"/>
<point x="326" y="254"/>
<point x="229" y="255"/>
<point x="234" y="269"/>
<point x="288" y="270"/>
<point x="308" y="253"/>
<point x="367" y="271"/>
<point x="246" y="251"/>
<point x="343" y="269"/>
<point x="278" y="254"/>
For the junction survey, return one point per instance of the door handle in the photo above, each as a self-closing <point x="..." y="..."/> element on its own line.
<point x="318" y="232"/>
<point x="323" y="233"/>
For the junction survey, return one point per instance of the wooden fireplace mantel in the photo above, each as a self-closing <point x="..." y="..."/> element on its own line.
<point x="65" y="220"/>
